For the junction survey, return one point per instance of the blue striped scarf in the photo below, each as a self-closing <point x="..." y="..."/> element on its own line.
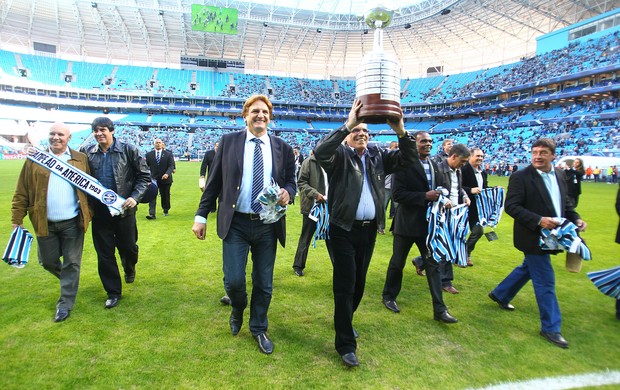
<point x="490" y="203"/>
<point x="607" y="281"/>
<point x="320" y="215"/>
<point x="18" y="248"/>
<point x="447" y="232"/>
<point x="564" y="237"/>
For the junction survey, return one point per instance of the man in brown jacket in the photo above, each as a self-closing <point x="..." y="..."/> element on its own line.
<point x="59" y="214"/>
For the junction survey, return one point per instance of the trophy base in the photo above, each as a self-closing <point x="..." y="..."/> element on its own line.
<point x="376" y="110"/>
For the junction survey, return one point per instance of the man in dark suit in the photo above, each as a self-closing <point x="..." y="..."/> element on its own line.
<point x="450" y="171"/>
<point x="246" y="162"/>
<point x="356" y="174"/>
<point x="536" y="198"/>
<point x="205" y="166"/>
<point x="474" y="181"/>
<point x="414" y="189"/>
<point x="161" y="164"/>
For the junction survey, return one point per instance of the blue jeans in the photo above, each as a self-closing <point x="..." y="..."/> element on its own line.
<point x="537" y="268"/>
<point x="247" y="235"/>
<point x="66" y="239"/>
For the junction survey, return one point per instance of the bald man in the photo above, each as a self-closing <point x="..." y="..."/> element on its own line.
<point x="59" y="214"/>
<point x="161" y="164"/>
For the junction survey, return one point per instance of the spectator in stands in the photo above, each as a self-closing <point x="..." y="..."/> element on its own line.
<point x="356" y="212"/>
<point x="443" y="154"/>
<point x="312" y="185"/>
<point x="121" y="168"/>
<point x="450" y="170"/>
<point x="59" y="214"/>
<point x="161" y="164"/>
<point x="245" y="163"/>
<point x="536" y="198"/>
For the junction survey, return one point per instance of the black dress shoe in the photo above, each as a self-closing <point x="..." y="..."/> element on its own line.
<point x="555" y="338"/>
<point x="445" y="317"/>
<point x="111" y="302"/>
<point x="129" y="278"/>
<point x="505" y="306"/>
<point x="391" y="305"/>
<point x="299" y="272"/>
<point x="61" y="315"/>
<point x="225" y="300"/>
<point x="236" y="320"/>
<point x="264" y="344"/>
<point x="150" y="216"/>
<point x="350" y="359"/>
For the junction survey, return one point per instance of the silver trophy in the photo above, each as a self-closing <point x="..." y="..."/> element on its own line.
<point x="378" y="77"/>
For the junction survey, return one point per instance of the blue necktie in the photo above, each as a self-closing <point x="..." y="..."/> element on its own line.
<point x="157" y="156"/>
<point x="257" y="176"/>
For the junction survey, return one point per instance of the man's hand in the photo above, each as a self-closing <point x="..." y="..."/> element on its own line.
<point x="129" y="203"/>
<point x="476" y="190"/>
<point x="549" y="222"/>
<point x="432" y="195"/>
<point x="320" y="198"/>
<point x="200" y="230"/>
<point x="164" y="176"/>
<point x="353" y="120"/>
<point x="467" y="202"/>
<point x="14" y="225"/>
<point x="284" y="198"/>
<point x="201" y="183"/>
<point x="581" y="225"/>
<point x="398" y="125"/>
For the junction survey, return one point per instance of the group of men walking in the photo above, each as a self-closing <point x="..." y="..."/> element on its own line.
<point x="345" y="172"/>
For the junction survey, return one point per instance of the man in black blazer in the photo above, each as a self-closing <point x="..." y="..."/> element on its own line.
<point x="414" y="189"/>
<point x="536" y="198"/>
<point x="205" y="166"/>
<point x="161" y="164"/>
<point x="450" y="171"/>
<point x="232" y="178"/>
<point x="474" y="181"/>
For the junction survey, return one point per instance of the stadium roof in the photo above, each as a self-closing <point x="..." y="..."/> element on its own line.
<point x="322" y="38"/>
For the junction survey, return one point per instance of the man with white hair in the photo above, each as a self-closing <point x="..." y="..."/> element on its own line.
<point x="59" y="214"/>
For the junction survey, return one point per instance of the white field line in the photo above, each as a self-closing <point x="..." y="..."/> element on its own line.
<point x="561" y="382"/>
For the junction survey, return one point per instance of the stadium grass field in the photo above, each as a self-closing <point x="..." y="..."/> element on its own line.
<point x="170" y="331"/>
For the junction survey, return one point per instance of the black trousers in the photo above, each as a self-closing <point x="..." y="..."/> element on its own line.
<point x="308" y="228"/>
<point x="110" y="233"/>
<point x="164" y="195"/>
<point x="350" y="253"/>
<point x="476" y="232"/>
<point x="401" y="246"/>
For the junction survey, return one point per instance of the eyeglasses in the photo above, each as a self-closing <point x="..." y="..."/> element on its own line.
<point x="357" y="130"/>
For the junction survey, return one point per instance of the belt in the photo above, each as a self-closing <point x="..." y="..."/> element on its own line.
<point x="250" y="216"/>
<point x="359" y="223"/>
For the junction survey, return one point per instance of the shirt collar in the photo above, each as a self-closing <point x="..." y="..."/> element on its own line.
<point x="66" y="152"/>
<point x="249" y="137"/>
<point x="551" y="172"/>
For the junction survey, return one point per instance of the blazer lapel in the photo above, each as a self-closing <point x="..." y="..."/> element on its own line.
<point x="275" y="154"/>
<point x="539" y="184"/>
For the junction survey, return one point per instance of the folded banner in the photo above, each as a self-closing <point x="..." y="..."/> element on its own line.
<point x="79" y="179"/>
<point x="447" y="231"/>
<point x="564" y="237"/>
<point x="18" y="248"/>
<point x="490" y="203"/>
<point x="607" y="281"/>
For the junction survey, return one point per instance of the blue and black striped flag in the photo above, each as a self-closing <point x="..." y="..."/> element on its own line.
<point x="607" y="280"/>
<point x="18" y="249"/>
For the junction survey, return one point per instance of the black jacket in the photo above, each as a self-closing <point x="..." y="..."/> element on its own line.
<point x="131" y="174"/>
<point x="345" y="170"/>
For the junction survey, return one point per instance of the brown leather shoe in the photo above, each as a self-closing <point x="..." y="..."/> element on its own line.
<point x="469" y="262"/>
<point x="451" y="290"/>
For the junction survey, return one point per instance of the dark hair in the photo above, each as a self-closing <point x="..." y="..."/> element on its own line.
<point x="460" y="150"/>
<point x="102" y="121"/>
<point x="545" y="143"/>
<point x="419" y="132"/>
